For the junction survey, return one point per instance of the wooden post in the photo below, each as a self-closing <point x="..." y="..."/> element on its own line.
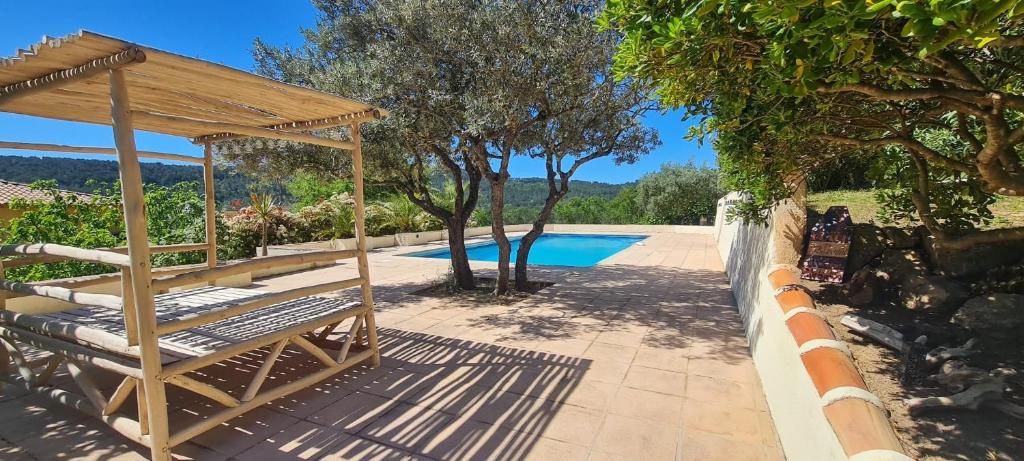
<point x="131" y="324"/>
<point x="364" y="266"/>
<point x="3" y="294"/>
<point x="138" y="254"/>
<point x="211" y="208"/>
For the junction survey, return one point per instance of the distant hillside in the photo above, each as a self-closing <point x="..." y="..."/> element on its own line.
<point x="531" y="192"/>
<point x="74" y="174"/>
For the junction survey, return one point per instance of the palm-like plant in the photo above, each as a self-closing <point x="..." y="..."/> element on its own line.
<point x="399" y="214"/>
<point x="264" y="207"/>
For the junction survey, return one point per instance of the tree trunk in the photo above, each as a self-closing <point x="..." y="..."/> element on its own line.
<point x="460" y="261"/>
<point x="498" y="232"/>
<point x="264" y="250"/>
<point x="523" y="254"/>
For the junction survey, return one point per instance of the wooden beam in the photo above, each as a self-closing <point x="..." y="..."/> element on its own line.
<point x="3" y="294"/>
<point x="318" y="124"/>
<point x="219" y="314"/>
<point x="90" y="280"/>
<point x="64" y="294"/>
<point x="211" y="207"/>
<point x="364" y="265"/>
<point x="205" y="275"/>
<point x="63" y="251"/>
<point x="138" y="253"/>
<point x="203" y="389"/>
<point x="198" y="124"/>
<point x="156" y="249"/>
<point x="67" y="76"/>
<point x="19" y="360"/>
<point x="94" y="150"/>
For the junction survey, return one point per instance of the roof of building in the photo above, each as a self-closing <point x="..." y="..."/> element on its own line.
<point x="10" y="190"/>
<point x="67" y="79"/>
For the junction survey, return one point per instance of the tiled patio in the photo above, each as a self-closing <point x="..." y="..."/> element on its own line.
<point x="640" y="357"/>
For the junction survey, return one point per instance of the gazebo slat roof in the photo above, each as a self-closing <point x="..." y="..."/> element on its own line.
<point x="164" y="83"/>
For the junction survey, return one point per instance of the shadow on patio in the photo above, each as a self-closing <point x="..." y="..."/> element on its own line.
<point x="437" y="397"/>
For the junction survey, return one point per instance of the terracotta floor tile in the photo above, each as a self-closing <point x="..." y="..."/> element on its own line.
<point x="705" y="446"/>
<point x="647" y="405"/>
<point x="358" y="449"/>
<point x="713" y="390"/>
<point x="352" y="413"/>
<point x="723" y="419"/>
<point x="655" y="380"/>
<point x="740" y="370"/>
<point x="662" y="359"/>
<point x="636" y="438"/>
<point x="303" y="441"/>
<point x="407" y="427"/>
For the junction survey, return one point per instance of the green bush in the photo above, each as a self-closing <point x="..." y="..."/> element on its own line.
<point x="679" y="194"/>
<point x="175" y="215"/>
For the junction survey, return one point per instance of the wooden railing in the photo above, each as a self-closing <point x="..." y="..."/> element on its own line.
<point x="45" y="253"/>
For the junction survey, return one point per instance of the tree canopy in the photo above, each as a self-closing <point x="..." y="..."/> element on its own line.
<point x="933" y="88"/>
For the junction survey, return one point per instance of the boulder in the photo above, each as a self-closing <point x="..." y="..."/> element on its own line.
<point x="867" y="243"/>
<point x="972" y="261"/>
<point x="932" y="293"/>
<point x="865" y="285"/>
<point x="901" y="264"/>
<point x="996" y="317"/>
<point x="901" y="238"/>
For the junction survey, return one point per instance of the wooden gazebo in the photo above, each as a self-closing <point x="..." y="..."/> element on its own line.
<point x="169" y="323"/>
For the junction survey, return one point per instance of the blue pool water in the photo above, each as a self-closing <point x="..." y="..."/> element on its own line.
<point x="575" y="250"/>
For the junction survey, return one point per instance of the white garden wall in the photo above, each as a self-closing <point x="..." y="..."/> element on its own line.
<point x="749" y="251"/>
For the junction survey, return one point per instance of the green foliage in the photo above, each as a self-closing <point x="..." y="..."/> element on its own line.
<point x="622" y="209"/>
<point x="679" y="194"/>
<point x="397" y="215"/>
<point x="791" y="87"/>
<point x="308" y="189"/>
<point x="175" y="215"/>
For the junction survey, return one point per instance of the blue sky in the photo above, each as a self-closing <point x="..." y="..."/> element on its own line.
<point x="223" y="31"/>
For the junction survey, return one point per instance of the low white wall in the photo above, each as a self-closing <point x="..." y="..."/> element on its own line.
<point x="749" y="251"/>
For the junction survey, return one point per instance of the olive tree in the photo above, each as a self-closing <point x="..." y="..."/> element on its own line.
<point x="789" y="85"/>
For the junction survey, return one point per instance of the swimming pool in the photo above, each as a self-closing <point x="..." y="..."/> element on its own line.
<point x="575" y="250"/>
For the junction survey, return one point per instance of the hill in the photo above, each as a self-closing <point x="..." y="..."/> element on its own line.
<point x="75" y="174"/>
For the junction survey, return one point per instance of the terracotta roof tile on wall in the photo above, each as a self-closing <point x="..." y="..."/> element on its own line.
<point x="856" y="415"/>
<point x="10" y="190"/>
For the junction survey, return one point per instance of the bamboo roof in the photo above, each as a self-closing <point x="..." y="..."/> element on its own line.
<point x="161" y="83"/>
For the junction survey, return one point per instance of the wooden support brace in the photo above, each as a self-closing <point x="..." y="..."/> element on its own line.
<point x="313" y="350"/>
<point x="120" y="395"/>
<point x="261" y="374"/>
<point x="357" y="324"/>
<point x="24" y="369"/>
<point x="203" y="389"/>
<point x="87" y="385"/>
<point x="52" y="363"/>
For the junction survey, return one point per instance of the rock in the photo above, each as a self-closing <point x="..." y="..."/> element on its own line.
<point x="901" y="238"/>
<point x="867" y="243"/>
<point x="901" y="264"/>
<point x="932" y="293"/>
<point x="865" y="285"/>
<point x="972" y="261"/>
<point x="996" y="317"/>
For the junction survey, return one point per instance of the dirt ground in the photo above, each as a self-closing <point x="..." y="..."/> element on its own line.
<point x="940" y="435"/>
